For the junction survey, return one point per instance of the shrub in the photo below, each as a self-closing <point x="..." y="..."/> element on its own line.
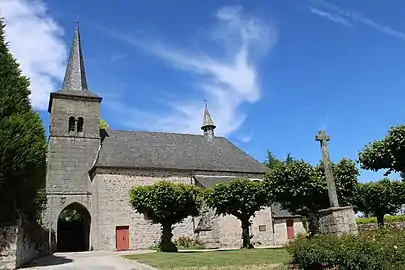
<point x="183" y="242"/>
<point x="380" y="249"/>
<point x="188" y="242"/>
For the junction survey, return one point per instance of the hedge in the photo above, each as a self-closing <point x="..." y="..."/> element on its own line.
<point x="387" y="219"/>
<point x="379" y="249"/>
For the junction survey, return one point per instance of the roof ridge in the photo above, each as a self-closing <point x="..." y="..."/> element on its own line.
<point x="162" y="132"/>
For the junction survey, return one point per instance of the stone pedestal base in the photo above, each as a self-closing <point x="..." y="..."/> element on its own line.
<point x="338" y="221"/>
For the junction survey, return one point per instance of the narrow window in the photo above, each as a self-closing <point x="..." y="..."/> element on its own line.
<point x="71" y="123"/>
<point x="80" y="123"/>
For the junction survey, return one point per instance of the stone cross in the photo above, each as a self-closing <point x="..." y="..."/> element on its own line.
<point x="323" y="139"/>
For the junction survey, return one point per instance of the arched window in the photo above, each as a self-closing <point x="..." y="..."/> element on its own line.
<point x="80" y="123"/>
<point x="72" y="123"/>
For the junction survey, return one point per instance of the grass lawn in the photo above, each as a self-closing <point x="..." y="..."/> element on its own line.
<point x="253" y="259"/>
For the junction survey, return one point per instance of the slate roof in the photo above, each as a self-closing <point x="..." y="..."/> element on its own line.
<point x="209" y="181"/>
<point x="137" y="149"/>
<point x="279" y="212"/>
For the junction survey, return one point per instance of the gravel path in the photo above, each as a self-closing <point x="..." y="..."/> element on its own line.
<point x="87" y="261"/>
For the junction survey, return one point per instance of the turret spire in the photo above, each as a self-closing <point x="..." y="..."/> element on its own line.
<point x="208" y="125"/>
<point x="75" y="76"/>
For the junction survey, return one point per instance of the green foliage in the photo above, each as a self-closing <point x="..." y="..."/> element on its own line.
<point x="386" y="153"/>
<point x="241" y="198"/>
<point x="166" y="203"/>
<point x="374" y="249"/>
<point x="22" y="144"/>
<point x="301" y="188"/>
<point x="272" y="161"/>
<point x="380" y="198"/>
<point x="387" y="219"/>
<point x="103" y="124"/>
<point x="70" y="215"/>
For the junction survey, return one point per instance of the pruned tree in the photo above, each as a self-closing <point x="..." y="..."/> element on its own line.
<point x="301" y="188"/>
<point x="380" y="198"/>
<point x="387" y="153"/>
<point x="241" y="198"/>
<point x="22" y="144"/>
<point x="166" y="203"/>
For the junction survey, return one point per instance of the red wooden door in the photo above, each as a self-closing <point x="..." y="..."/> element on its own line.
<point x="290" y="228"/>
<point x="122" y="238"/>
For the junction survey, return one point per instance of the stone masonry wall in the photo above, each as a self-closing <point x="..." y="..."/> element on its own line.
<point x="230" y="231"/>
<point x="111" y="208"/>
<point x="280" y="230"/>
<point x="370" y="226"/>
<point x="18" y="247"/>
<point x="338" y="220"/>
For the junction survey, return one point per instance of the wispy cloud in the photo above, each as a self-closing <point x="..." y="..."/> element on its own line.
<point x="35" y="39"/>
<point x="357" y="17"/>
<point x="246" y="137"/>
<point x="226" y="82"/>
<point x="332" y="17"/>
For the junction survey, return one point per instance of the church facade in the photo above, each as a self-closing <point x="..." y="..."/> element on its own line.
<point x="91" y="172"/>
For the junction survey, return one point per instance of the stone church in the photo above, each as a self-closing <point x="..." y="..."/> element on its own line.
<point x="91" y="171"/>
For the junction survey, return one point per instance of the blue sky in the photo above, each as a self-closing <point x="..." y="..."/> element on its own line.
<point x="273" y="72"/>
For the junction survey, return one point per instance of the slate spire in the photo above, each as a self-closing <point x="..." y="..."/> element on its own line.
<point x="75" y="76"/>
<point x="75" y="82"/>
<point x="208" y="125"/>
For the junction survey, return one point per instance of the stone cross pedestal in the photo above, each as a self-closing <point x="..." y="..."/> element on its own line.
<point x="334" y="220"/>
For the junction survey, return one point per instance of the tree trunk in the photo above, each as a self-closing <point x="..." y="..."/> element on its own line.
<point x="166" y="244"/>
<point x="313" y="224"/>
<point x="380" y="220"/>
<point x="246" y="234"/>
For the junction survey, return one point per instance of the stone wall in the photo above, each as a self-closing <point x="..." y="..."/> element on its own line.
<point x="19" y="246"/>
<point x="338" y="220"/>
<point x="370" y="226"/>
<point x="111" y="208"/>
<point x="280" y="230"/>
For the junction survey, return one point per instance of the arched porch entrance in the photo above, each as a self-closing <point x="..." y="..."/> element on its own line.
<point x="73" y="228"/>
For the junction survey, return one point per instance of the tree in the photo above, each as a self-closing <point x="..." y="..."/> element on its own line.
<point x="271" y="160"/>
<point x="301" y="188"/>
<point x="22" y="144"/>
<point x="380" y="198"/>
<point x="166" y="203"/>
<point x="241" y="198"/>
<point x="386" y="153"/>
<point x="103" y="124"/>
<point x="289" y="159"/>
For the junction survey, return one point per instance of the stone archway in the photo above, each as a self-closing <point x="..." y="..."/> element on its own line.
<point x="73" y="228"/>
